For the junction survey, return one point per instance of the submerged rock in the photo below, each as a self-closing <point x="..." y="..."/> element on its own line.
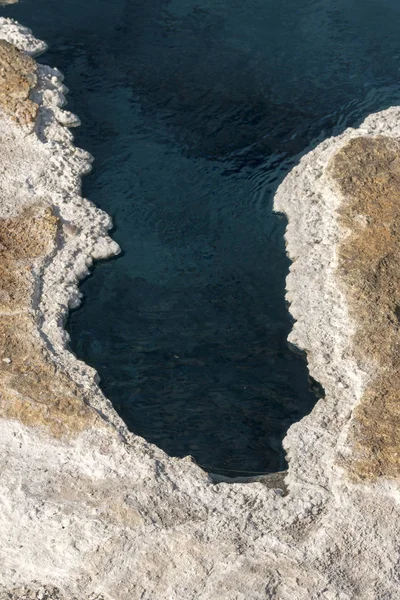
<point x="89" y="510"/>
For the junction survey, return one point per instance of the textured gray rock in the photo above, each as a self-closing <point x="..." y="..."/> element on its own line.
<point x="93" y="511"/>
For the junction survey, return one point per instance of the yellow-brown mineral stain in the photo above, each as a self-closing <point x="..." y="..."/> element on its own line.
<point x="17" y="79"/>
<point x="32" y="389"/>
<point x="367" y="171"/>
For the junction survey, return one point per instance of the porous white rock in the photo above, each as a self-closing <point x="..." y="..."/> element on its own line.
<point x="104" y="514"/>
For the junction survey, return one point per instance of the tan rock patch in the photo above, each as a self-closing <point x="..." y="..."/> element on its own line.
<point x="367" y="171"/>
<point x="17" y="79"/>
<point x="22" y="240"/>
<point x="32" y="390"/>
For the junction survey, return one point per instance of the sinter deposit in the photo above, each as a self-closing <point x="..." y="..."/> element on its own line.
<point x="89" y="510"/>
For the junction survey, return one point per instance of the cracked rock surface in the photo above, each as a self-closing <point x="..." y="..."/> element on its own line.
<point x="89" y="510"/>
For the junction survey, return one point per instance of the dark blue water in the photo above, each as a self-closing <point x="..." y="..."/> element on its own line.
<point x="194" y="111"/>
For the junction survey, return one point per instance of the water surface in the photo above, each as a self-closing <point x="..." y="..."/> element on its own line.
<point x="194" y="111"/>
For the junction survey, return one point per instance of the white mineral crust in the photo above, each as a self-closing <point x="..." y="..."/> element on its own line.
<point x="105" y="514"/>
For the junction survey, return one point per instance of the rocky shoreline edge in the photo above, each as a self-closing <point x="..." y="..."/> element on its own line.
<point x="89" y="510"/>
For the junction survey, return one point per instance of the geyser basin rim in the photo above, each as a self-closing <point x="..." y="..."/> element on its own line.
<point x="106" y="250"/>
<point x="103" y="247"/>
<point x="104" y="501"/>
